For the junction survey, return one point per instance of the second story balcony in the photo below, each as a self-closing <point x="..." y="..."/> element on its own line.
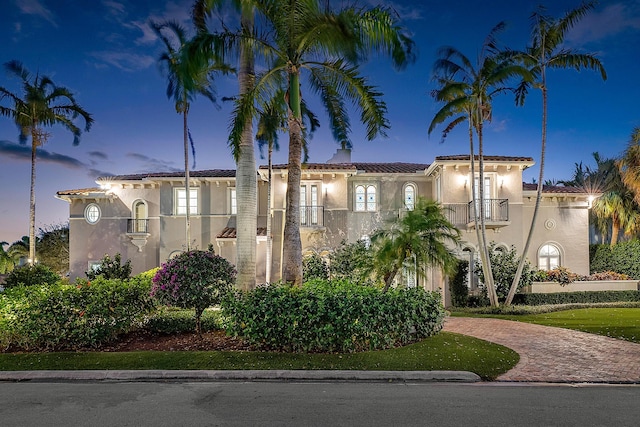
<point x="496" y="213"/>
<point x="137" y="226"/>
<point x="312" y="216"/>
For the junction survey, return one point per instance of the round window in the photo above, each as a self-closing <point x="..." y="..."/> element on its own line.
<point x="92" y="213"/>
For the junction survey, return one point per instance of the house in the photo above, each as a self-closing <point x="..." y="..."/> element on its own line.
<point x="142" y="216"/>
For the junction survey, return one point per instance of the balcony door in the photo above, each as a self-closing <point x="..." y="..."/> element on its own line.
<point x="309" y="204"/>
<point x="488" y="195"/>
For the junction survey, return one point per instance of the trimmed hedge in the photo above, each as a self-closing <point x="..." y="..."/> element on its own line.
<point x="338" y="316"/>
<point x="577" y="297"/>
<point x="624" y="257"/>
<point x="174" y="321"/>
<point x="63" y="317"/>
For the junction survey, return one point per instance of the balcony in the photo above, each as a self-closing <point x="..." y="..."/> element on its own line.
<point x="496" y="213"/>
<point x="138" y="232"/>
<point x="312" y="216"/>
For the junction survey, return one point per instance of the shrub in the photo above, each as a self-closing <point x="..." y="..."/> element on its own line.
<point x="111" y="269"/>
<point x="577" y="297"/>
<point x="562" y="275"/>
<point x="173" y="321"/>
<point x="63" y="316"/>
<point x="504" y="265"/>
<point x="314" y="267"/>
<point x="623" y="257"/>
<point x="332" y="316"/>
<point x="352" y="261"/>
<point x="458" y="285"/>
<point x="607" y="275"/>
<point x="29" y="275"/>
<point x="194" y="279"/>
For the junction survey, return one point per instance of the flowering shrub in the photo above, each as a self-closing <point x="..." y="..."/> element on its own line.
<point x="195" y="280"/>
<point x="564" y="276"/>
<point x="608" y="275"/>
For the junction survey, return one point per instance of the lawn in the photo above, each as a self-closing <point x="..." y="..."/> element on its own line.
<point x="620" y="323"/>
<point x="444" y="351"/>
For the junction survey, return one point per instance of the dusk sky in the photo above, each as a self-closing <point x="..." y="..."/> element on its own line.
<point x="105" y="53"/>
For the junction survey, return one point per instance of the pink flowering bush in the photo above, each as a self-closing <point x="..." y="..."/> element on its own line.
<point x="194" y="280"/>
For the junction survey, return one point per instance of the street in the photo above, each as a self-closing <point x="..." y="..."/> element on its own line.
<point x="315" y="404"/>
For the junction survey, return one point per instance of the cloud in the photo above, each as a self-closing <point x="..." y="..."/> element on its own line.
<point x="115" y="8"/>
<point x="123" y="60"/>
<point x="19" y="152"/>
<point x="36" y="8"/>
<point x="611" y="20"/>
<point x="98" y="155"/>
<point x="153" y="165"/>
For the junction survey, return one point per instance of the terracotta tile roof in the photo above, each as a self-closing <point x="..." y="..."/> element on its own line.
<point x="230" y="233"/>
<point x="211" y="173"/>
<point x="79" y="192"/>
<point x="553" y="189"/>
<point x="462" y="157"/>
<point x="397" y="167"/>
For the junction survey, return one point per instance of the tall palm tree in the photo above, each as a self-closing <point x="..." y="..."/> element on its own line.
<point x="629" y="164"/>
<point x="185" y="81"/>
<point x="467" y="91"/>
<point x="546" y="50"/>
<point x="423" y="234"/>
<point x="43" y="104"/>
<point x="309" y="40"/>
<point x="243" y="149"/>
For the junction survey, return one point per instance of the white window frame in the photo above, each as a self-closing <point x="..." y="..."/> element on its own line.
<point x="134" y="214"/>
<point x="233" y="201"/>
<point x="412" y="204"/>
<point x="92" y="213"/>
<point x="545" y="259"/>
<point x="180" y="193"/>
<point x="370" y="200"/>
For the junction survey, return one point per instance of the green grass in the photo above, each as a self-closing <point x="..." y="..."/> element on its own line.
<point x="620" y="323"/>
<point x="445" y="351"/>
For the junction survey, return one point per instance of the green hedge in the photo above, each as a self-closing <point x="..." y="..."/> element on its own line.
<point x="172" y="321"/>
<point x="624" y="257"/>
<point x="334" y="316"/>
<point x="63" y="316"/>
<point x="577" y="297"/>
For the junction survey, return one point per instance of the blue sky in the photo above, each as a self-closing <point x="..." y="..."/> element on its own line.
<point x="104" y="51"/>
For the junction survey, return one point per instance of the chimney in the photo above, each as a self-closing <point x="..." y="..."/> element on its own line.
<point x="343" y="155"/>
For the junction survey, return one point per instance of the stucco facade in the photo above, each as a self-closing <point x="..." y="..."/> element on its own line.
<point x="140" y="215"/>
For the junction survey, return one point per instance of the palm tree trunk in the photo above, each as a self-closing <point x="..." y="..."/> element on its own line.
<point x="185" y="135"/>
<point x="269" y="218"/>
<point x="536" y="208"/>
<point x="615" y="231"/>
<point x="35" y="140"/>
<point x="292" y="251"/>
<point x="246" y="179"/>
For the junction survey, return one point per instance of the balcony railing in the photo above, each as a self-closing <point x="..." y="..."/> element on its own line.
<point x="496" y="211"/>
<point x="137" y="226"/>
<point x="311" y="216"/>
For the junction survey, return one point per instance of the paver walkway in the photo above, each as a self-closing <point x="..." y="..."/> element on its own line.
<point x="549" y="354"/>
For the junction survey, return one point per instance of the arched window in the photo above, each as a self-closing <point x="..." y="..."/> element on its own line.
<point x="365" y="198"/>
<point x="140" y="216"/>
<point x="409" y="197"/>
<point x="548" y="257"/>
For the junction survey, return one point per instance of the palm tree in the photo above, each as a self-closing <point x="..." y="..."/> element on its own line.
<point x="467" y="91"/>
<point x="307" y="39"/>
<point x="243" y="148"/>
<point x="185" y="81"/>
<point x="629" y="164"/>
<point x="43" y="105"/>
<point x="423" y="234"/>
<point x="546" y="50"/>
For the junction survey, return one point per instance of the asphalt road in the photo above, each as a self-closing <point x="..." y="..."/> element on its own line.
<point x="316" y="404"/>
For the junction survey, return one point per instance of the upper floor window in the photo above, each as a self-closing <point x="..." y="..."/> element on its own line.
<point x="548" y="257"/>
<point x="140" y="217"/>
<point x="409" y="197"/>
<point x="92" y="213"/>
<point x="365" y="198"/>
<point x="180" y="199"/>
<point x="233" y="205"/>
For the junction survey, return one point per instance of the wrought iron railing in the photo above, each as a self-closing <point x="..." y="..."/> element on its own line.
<point x="495" y="210"/>
<point x="311" y="216"/>
<point x="137" y="226"/>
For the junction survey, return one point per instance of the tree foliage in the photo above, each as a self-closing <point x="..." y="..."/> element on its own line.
<point x="111" y="268"/>
<point x="53" y="247"/>
<point x="504" y="264"/>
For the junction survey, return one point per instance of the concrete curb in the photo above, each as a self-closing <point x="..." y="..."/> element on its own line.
<point x="249" y="375"/>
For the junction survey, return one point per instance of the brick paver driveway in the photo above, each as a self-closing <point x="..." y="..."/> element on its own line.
<point x="550" y="354"/>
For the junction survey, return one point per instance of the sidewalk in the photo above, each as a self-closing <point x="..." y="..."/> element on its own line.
<point x="550" y="354"/>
